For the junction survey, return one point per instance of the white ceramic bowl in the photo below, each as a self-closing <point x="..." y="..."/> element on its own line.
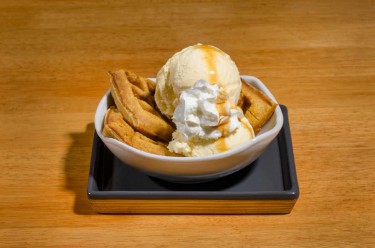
<point x="187" y="169"/>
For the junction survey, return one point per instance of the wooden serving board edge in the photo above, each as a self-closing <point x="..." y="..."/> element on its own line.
<point x="188" y="206"/>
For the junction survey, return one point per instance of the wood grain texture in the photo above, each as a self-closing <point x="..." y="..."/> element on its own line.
<point x="316" y="57"/>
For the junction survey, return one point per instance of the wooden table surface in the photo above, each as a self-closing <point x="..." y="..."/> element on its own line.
<point x="317" y="57"/>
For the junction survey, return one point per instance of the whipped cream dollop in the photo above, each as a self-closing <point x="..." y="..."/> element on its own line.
<point x="205" y="112"/>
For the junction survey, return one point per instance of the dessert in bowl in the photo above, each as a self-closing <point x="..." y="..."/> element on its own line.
<point x="181" y="131"/>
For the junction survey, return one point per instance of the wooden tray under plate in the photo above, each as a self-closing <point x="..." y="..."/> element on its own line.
<point x="268" y="185"/>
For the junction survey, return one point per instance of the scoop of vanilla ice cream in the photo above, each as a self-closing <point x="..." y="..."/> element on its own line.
<point x="205" y="147"/>
<point x="191" y="64"/>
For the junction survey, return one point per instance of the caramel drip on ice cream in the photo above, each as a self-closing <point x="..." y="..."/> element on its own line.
<point x="221" y="108"/>
<point x="224" y="128"/>
<point x="209" y="56"/>
<point x="221" y="145"/>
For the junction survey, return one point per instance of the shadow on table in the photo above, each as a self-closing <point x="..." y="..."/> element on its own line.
<point x="77" y="163"/>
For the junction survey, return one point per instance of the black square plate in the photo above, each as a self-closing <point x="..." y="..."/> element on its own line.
<point x="268" y="185"/>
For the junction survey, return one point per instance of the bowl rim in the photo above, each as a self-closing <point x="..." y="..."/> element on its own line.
<point x="263" y="136"/>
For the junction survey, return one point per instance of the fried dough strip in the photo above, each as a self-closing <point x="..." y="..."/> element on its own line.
<point x="116" y="127"/>
<point x="257" y="107"/>
<point x="133" y="96"/>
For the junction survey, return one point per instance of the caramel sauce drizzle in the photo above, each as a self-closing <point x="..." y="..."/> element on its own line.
<point x="209" y="56"/>
<point x="221" y="109"/>
<point x="221" y="145"/>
